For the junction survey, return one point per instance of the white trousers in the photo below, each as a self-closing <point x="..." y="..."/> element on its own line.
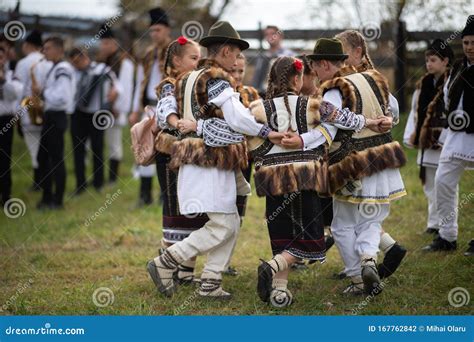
<point x="447" y="179"/>
<point x="430" y="193"/>
<point x="356" y="229"/>
<point x="32" y="140"/>
<point x="216" y="238"/>
<point x="113" y="137"/>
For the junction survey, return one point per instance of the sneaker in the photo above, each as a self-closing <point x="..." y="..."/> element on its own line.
<point x="440" y="244"/>
<point x="162" y="276"/>
<point x="391" y="261"/>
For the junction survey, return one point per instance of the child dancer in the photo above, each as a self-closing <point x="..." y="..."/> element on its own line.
<point x="426" y="120"/>
<point x="181" y="56"/>
<point x="290" y="177"/>
<point x="355" y="46"/>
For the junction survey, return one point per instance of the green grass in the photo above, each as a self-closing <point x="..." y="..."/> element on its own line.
<point x="52" y="262"/>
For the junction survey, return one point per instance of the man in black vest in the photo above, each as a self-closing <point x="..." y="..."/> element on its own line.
<point x="458" y="149"/>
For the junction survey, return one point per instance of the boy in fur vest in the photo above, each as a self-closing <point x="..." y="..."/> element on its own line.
<point x="457" y="153"/>
<point x="207" y="171"/>
<point x="427" y="119"/>
<point x="363" y="172"/>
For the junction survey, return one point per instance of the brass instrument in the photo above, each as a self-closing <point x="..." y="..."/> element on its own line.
<point x="33" y="103"/>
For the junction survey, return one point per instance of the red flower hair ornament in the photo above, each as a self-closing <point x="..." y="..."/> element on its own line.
<point x="298" y="65"/>
<point x="182" y="40"/>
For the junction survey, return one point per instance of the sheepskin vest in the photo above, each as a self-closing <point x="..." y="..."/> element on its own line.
<point x="193" y="103"/>
<point x="354" y="155"/>
<point x="430" y="113"/>
<point x="278" y="170"/>
<point x="248" y="94"/>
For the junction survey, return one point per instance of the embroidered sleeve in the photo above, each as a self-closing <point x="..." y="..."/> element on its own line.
<point x="217" y="133"/>
<point x="215" y="87"/>
<point x="166" y="106"/>
<point x="341" y="118"/>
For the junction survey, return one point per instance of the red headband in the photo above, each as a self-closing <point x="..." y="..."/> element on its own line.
<point x="182" y="40"/>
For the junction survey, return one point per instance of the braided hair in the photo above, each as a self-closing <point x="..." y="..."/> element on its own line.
<point x="281" y="72"/>
<point x="175" y="48"/>
<point x="355" y="39"/>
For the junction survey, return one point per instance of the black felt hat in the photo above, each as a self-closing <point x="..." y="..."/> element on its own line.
<point x="222" y="32"/>
<point x="469" y="29"/>
<point x="106" y="31"/>
<point x="442" y="49"/>
<point x="158" y="16"/>
<point x="328" y="49"/>
<point x="34" y="38"/>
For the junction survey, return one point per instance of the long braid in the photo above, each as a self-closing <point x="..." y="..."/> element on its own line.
<point x="284" y="85"/>
<point x="366" y="54"/>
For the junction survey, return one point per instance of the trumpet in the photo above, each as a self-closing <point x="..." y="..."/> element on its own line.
<point x="33" y="103"/>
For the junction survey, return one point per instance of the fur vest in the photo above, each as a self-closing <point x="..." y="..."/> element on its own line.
<point x="148" y="60"/>
<point x="248" y="94"/>
<point x="193" y="104"/>
<point x="430" y="113"/>
<point x="461" y="82"/>
<point x="354" y="155"/>
<point x="280" y="171"/>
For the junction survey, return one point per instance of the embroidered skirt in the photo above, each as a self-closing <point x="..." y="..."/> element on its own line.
<point x="295" y="225"/>
<point x="176" y="227"/>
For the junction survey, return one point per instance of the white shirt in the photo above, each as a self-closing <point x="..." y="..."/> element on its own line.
<point x="456" y="144"/>
<point x="154" y="80"/>
<point x="209" y="189"/>
<point x="429" y="157"/>
<point x="125" y="87"/>
<point x="98" y="99"/>
<point x="60" y="88"/>
<point x="23" y="74"/>
<point x="10" y="92"/>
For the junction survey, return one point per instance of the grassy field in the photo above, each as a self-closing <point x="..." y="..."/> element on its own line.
<point x="90" y="258"/>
